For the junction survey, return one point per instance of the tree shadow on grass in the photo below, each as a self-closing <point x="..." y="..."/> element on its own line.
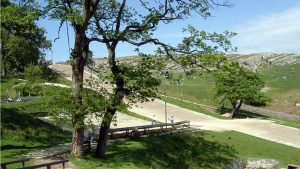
<point x="22" y="127"/>
<point x="181" y="150"/>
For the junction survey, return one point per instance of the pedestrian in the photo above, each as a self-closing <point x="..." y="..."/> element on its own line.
<point x="172" y="119"/>
<point x="154" y="119"/>
<point x="91" y="134"/>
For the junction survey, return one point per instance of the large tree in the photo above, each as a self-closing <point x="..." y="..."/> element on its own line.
<point x="118" y="22"/>
<point x="238" y="84"/>
<point x="78" y="13"/>
<point x="22" y="41"/>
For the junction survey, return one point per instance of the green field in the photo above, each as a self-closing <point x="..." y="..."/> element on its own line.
<point x="201" y="149"/>
<point x="284" y="92"/>
<point x="284" y="85"/>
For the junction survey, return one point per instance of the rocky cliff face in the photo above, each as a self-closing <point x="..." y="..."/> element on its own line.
<point x="254" y="61"/>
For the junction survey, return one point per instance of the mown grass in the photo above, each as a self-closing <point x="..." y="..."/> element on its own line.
<point x="30" y="106"/>
<point x="195" y="89"/>
<point x="290" y="123"/>
<point x="195" y="107"/>
<point x="204" y="149"/>
<point x="21" y="133"/>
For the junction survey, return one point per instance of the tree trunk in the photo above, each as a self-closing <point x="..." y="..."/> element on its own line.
<point x="235" y="107"/>
<point x="79" y="53"/>
<point x="117" y="99"/>
<point x="78" y="139"/>
<point x="77" y="78"/>
<point x="103" y="133"/>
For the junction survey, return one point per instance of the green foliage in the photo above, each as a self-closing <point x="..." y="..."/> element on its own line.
<point x="29" y="89"/>
<point x="34" y="74"/>
<point x="234" y="82"/>
<point x="22" y="41"/>
<point x="35" y="77"/>
<point x="63" y="108"/>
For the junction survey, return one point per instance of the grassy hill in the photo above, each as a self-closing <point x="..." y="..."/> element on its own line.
<point x="282" y="85"/>
<point x="22" y="133"/>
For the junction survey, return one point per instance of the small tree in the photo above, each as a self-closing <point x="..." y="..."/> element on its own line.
<point x="238" y="84"/>
<point x="34" y="74"/>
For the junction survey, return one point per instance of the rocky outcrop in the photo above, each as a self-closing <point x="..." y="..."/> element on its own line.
<point x="256" y="60"/>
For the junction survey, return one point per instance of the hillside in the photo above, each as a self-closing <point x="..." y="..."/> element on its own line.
<point x="256" y="60"/>
<point x="252" y="61"/>
<point x="280" y="72"/>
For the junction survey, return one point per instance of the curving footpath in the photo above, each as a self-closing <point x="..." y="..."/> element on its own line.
<point x="265" y="129"/>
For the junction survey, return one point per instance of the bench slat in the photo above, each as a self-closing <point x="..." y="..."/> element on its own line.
<point x="46" y="164"/>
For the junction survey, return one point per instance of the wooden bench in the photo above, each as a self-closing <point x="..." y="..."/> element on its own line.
<point x="48" y="165"/>
<point x="293" y="166"/>
<point x="4" y="164"/>
<point x="145" y="129"/>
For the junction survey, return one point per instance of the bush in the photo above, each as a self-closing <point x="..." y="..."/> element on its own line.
<point x="34" y="74"/>
<point x="27" y="89"/>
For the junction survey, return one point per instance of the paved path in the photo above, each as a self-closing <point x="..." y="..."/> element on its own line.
<point x="265" y="129"/>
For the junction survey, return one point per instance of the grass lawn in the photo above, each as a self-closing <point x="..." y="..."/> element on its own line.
<point x="29" y="106"/>
<point x="202" y="149"/>
<point x="21" y="133"/>
<point x="295" y="124"/>
<point x="194" y="107"/>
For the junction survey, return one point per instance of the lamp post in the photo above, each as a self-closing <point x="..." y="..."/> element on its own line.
<point x="166" y="75"/>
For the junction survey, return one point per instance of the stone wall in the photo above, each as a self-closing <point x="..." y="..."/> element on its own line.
<point x="270" y="113"/>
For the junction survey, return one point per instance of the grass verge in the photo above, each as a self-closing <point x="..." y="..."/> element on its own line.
<point x="294" y="124"/>
<point x="189" y="150"/>
<point x="194" y="107"/>
<point x="130" y="113"/>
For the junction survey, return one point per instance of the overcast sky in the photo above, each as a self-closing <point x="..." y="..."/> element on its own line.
<point x="262" y="26"/>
